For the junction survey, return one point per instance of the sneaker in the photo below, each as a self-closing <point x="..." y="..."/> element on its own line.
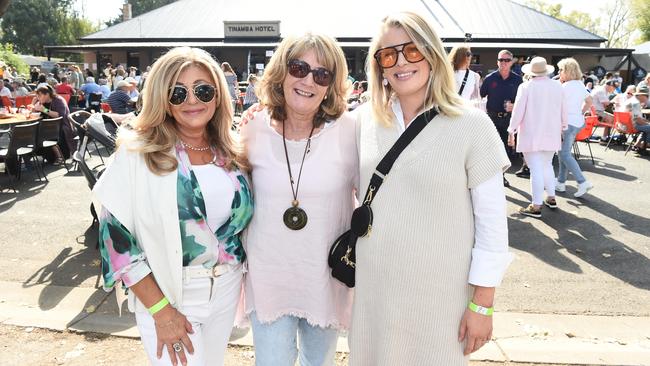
<point x="560" y="187"/>
<point x="505" y="182"/>
<point x="550" y="203"/>
<point x="583" y="188"/>
<point x="531" y="211"/>
<point x="524" y="172"/>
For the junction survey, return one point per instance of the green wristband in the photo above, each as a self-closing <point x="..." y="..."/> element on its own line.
<point x="46" y="111"/>
<point x="480" y="309"/>
<point x="158" y="306"/>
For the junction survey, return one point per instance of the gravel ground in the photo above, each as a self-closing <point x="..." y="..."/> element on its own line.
<point x="41" y="347"/>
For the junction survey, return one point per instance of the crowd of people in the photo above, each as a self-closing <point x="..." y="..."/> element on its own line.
<point x="539" y="112"/>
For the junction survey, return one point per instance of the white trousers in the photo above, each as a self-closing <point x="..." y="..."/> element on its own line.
<point x="542" y="176"/>
<point x="212" y="314"/>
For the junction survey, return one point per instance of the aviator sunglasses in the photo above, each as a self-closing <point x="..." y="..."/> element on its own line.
<point x="300" y="69"/>
<point x="387" y="57"/>
<point x="203" y="92"/>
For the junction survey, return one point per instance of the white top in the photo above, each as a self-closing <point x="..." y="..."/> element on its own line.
<point x="600" y="96"/>
<point x="490" y="256"/>
<point x="218" y="192"/>
<point x="575" y="94"/>
<point x="5" y="92"/>
<point x="633" y="105"/>
<point x="471" y="90"/>
<point x="287" y="269"/>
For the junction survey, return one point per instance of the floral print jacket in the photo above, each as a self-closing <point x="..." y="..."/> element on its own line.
<point x="123" y="259"/>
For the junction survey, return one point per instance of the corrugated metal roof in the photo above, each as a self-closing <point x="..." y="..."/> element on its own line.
<point x="485" y="19"/>
<point x="507" y="19"/>
<point x="204" y="19"/>
<point x="642" y="48"/>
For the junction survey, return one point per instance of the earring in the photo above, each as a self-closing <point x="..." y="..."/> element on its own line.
<point x="385" y="82"/>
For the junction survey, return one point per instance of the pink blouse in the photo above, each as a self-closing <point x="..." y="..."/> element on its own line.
<point x="287" y="269"/>
<point x="539" y="115"/>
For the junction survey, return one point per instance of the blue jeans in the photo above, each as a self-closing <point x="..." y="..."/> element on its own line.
<point x="567" y="162"/>
<point x="646" y="131"/>
<point x="275" y="342"/>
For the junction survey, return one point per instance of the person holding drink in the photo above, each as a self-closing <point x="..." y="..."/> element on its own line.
<point x="500" y="88"/>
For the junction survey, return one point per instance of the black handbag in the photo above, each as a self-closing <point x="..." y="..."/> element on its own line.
<point x="342" y="255"/>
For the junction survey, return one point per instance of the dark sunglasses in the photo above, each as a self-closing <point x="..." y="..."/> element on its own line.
<point x="300" y="69"/>
<point x="504" y="59"/>
<point x="387" y="57"/>
<point x="203" y="92"/>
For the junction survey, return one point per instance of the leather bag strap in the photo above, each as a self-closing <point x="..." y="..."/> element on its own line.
<point x="391" y="156"/>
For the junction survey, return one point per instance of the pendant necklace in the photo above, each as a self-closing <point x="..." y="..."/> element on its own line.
<point x="295" y="217"/>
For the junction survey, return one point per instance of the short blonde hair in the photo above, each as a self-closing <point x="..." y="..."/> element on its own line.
<point x="571" y="68"/>
<point x="441" y="88"/>
<point x="328" y="53"/>
<point x="155" y="127"/>
<point x="458" y="55"/>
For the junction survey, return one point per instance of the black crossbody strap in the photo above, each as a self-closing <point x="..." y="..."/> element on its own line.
<point x="402" y="142"/>
<point x="462" y="86"/>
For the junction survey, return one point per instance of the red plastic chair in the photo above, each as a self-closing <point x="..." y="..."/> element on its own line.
<point x="24" y="101"/>
<point x="585" y="136"/>
<point x="6" y="101"/>
<point x="105" y="107"/>
<point x="623" y="124"/>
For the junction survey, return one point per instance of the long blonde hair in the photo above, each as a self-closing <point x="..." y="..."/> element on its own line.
<point x="155" y="128"/>
<point x="441" y="88"/>
<point x="328" y="53"/>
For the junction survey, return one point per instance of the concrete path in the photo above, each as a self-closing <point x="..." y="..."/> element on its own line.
<point x="518" y="337"/>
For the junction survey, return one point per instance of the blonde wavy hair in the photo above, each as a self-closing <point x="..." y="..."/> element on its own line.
<point x="571" y="68"/>
<point x="441" y="88"/>
<point x="270" y="92"/>
<point x="154" y="129"/>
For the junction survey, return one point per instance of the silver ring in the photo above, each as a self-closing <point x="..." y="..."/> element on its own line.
<point x="177" y="347"/>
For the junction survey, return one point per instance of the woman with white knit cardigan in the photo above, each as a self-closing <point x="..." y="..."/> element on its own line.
<point x="426" y="275"/>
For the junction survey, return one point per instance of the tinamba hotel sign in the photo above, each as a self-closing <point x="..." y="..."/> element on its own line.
<point x="251" y="29"/>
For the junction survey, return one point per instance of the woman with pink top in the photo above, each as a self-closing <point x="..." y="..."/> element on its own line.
<point x="538" y="118"/>
<point x="301" y="145"/>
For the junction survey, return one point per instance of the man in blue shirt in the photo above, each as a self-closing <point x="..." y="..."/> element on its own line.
<point x="500" y="87"/>
<point x="90" y="87"/>
<point x="103" y="86"/>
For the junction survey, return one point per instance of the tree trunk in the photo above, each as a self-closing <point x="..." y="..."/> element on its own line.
<point x="4" y="4"/>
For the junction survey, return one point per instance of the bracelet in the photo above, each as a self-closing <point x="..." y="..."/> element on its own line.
<point x="158" y="306"/>
<point x="480" y="309"/>
<point x="45" y="110"/>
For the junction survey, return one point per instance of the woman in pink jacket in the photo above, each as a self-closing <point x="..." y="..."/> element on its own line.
<point x="538" y="118"/>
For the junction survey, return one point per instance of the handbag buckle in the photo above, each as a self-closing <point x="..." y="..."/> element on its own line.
<point x="346" y="258"/>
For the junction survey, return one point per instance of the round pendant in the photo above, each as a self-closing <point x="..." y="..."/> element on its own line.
<point x="295" y="218"/>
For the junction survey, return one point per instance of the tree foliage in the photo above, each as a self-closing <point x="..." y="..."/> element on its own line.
<point x="641" y="12"/>
<point x="10" y="58"/>
<point x="31" y="24"/>
<point x="615" y="24"/>
<point x="139" y="7"/>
